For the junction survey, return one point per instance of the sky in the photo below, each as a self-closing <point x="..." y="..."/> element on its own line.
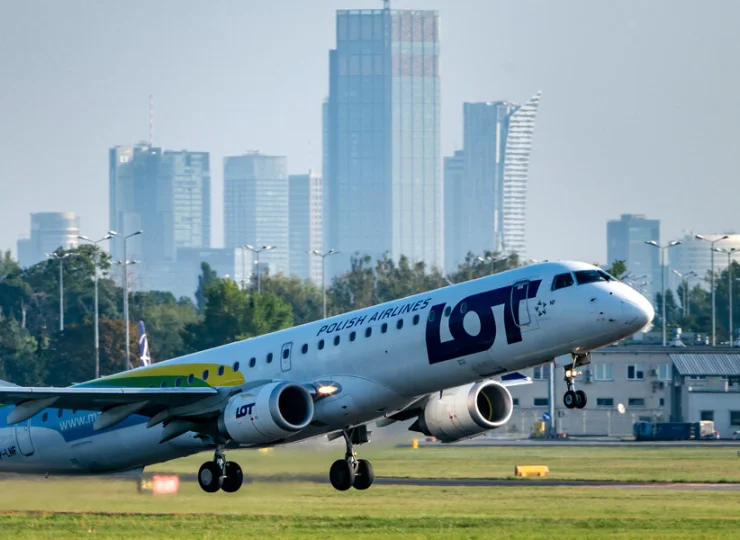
<point x="639" y="110"/>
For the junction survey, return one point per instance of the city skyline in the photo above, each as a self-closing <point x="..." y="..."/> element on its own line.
<point x="617" y="98"/>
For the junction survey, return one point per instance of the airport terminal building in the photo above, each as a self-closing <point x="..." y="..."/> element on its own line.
<point x="654" y="383"/>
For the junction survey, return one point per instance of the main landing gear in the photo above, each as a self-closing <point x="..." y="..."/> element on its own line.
<point x="350" y="471"/>
<point x="220" y="474"/>
<point x="575" y="399"/>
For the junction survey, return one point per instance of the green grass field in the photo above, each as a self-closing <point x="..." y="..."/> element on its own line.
<point x="638" y="463"/>
<point x="105" y="508"/>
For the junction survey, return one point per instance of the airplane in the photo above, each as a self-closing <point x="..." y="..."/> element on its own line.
<point x="444" y="358"/>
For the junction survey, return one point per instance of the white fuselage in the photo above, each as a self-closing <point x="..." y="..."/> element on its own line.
<point x="448" y="337"/>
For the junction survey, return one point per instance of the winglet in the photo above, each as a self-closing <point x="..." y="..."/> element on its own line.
<point x="143" y="346"/>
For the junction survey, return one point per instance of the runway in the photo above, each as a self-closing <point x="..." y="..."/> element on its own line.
<point x="488" y="482"/>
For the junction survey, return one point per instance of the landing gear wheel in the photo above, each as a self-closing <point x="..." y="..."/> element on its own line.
<point x="342" y="475"/>
<point x="581" y="399"/>
<point x="364" y="476"/>
<point x="570" y="400"/>
<point x="209" y="477"/>
<point x="233" y="477"/>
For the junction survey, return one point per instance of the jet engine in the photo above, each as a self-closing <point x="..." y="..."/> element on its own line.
<point x="465" y="411"/>
<point x="267" y="413"/>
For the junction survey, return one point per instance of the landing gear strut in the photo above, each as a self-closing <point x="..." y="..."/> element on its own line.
<point x="575" y="398"/>
<point x="350" y="471"/>
<point x="220" y="474"/>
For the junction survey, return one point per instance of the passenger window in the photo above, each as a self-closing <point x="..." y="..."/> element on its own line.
<point x="368" y="331"/>
<point x="252" y="362"/>
<point x="561" y="281"/>
<point x="220" y="370"/>
<point x="44" y="417"/>
<point x="163" y="384"/>
<point x="269" y="357"/>
<point x="191" y="378"/>
<point x="384" y="327"/>
<point x="352" y="336"/>
<point x="431" y="316"/>
<point x="304" y="349"/>
<point x="416" y="319"/>
<point x="321" y="344"/>
<point x="178" y="382"/>
<point x="236" y="367"/>
<point x="59" y="413"/>
<point x="447" y="311"/>
<point x="205" y="375"/>
<point x="286" y="353"/>
<point x="399" y="324"/>
<point x="336" y="340"/>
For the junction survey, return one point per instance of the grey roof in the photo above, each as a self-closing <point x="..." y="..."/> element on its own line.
<point x="707" y="364"/>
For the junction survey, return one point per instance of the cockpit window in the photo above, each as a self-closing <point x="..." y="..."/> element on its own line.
<point x="592" y="276"/>
<point x="561" y="281"/>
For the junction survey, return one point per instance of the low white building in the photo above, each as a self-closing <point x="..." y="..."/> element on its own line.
<point x="653" y="384"/>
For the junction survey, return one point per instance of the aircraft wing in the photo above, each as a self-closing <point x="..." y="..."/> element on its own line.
<point x="29" y="401"/>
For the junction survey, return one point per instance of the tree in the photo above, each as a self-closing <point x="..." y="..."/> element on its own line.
<point x="230" y="315"/>
<point x="305" y="297"/>
<point x="207" y="276"/>
<point x="17" y="354"/>
<point x="618" y="269"/>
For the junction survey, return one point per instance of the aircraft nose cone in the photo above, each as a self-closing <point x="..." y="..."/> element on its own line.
<point x="637" y="311"/>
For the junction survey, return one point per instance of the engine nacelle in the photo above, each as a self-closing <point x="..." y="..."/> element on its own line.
<point x="267" y="413"/>
<point x="466" y="411"/>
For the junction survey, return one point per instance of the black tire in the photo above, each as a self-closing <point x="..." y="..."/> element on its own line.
<point x="234" y="477"/>
<point x="581" y="399"/>
<point x="570" y="399"/>
<point x="341" y="475"/>
<point x="364" y="476"/>
<point x="209" y="477"/>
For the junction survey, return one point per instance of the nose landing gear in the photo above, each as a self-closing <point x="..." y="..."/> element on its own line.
<point x="350" y="471"/>
<point x="575" y="399"/>
<point x="220" y="474"/>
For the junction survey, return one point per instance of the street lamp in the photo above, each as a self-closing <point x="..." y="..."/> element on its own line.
<point x="685" y="285"/>
<point x="125" y="262"/>
<point x="108" y="236"/>
<point x="323" y="269"/>
<point x="714" y="310"/>
<point x="60" y="258"/>
<point x="730" y="252"/>
<point x="491" y="259"/>
<point x="259" y="268"/>
<point x="662" y="274"/>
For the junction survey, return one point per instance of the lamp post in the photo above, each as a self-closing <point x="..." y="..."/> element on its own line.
<point x="323" y="270"/>
<point x="730" y="252"/>
<point x="685" y="286"/>
<point x="60" y="258"/>
<point x="108" y="236"/>
<point x="491" y="259"/>
<point x="125" y="263"/>
<point x="259" y="268"/>
<point x="714" y="310"/>
<point x="662" y="276"/>
<point x="244" y="267"/>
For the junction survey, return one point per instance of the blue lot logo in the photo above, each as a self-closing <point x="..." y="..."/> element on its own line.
<point x="462" y="343"/>
<point x="244" y="410"/>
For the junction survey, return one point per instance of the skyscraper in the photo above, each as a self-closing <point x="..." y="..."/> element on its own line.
<point x="256" y="206"/>
<point x="382" y="183"/>
<point x="625" y="241"/>
<point x="49" y="231"/>
<point x="456" y="222"/>
<point x="305" y="225"/>
<point x="490" y="211"/>
<point x="166" y="194"/>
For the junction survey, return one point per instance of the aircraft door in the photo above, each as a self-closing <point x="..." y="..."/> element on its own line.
<point x="520" y="304"/>
<point x="23" y="438"/>
<point x="285" y="357"/>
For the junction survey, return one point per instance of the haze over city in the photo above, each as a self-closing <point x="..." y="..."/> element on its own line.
<point x="637" y="115"/>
